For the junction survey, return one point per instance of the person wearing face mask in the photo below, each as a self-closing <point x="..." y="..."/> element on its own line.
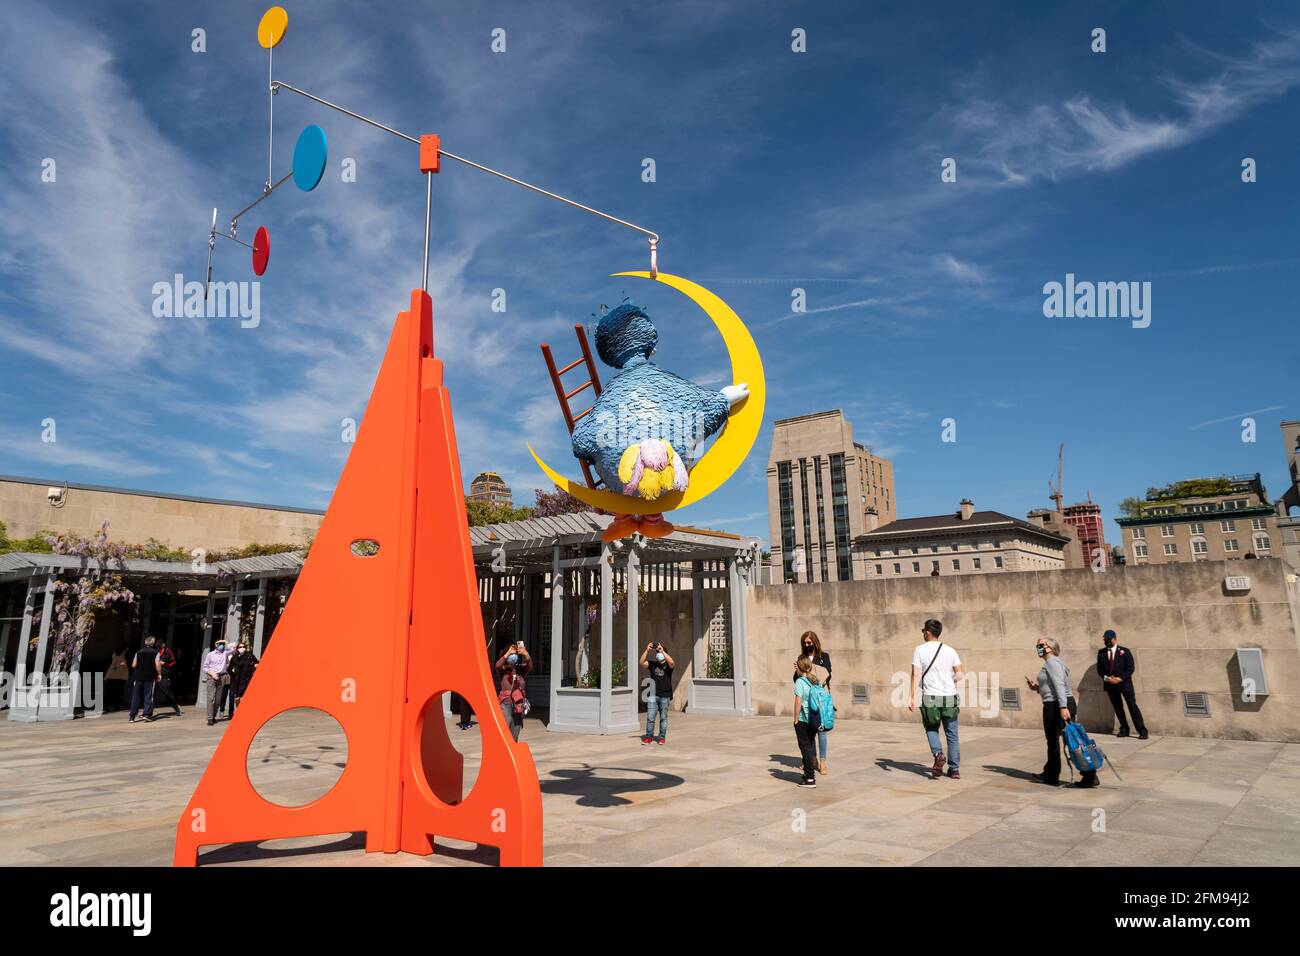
<point x="1059" y="708"/>
<point x="810" y="646"/>
<point x="214" y="670"/>
<point x="1115" y="666"/>
<point x="656" y="658"/>
<point x="242" y="664"/>
<point x="513" y="666"/>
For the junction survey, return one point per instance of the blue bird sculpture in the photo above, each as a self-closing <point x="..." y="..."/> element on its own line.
<point x="649" y="426"/>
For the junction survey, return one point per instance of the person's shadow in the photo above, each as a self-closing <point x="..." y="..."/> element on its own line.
<point x="1016" y="772"/>
<point x="785" y="760"/>
<point x="921" y="770"/>
<point x="594" y="791"/>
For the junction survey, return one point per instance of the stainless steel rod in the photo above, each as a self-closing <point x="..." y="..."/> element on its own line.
<point x="428" y="207"/>
<point x="236" y="216"/>
<point x="277" y="84"/>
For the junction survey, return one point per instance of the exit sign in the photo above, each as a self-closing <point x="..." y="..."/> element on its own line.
<point x="1237" y="582"/>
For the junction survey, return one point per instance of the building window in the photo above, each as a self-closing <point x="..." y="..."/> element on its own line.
<point x="898" y="568"/>
<point x="1257" y="524"/>
<point x="1227" y="527"/>
<point x="821" y="516"/>
<point x="840" y="508"/>
<point x="786" y="494"/>
<point x="1171" y="549"/>
<point x="997" y="562"/>
<point x="1198" y="527"/>
<point x="916" y="567"/>
<point x="1139" y="533"/>
<point x="956" y="564"/>
<point x="934" y="565"/>
<point x="807" y="519"/>
<point x="880" y="569"/>
<point x="1230" y="544"/>
<point x="955" y="546"/>
<point x="976" y="562"/>
<point x="934" y="549"/>
<point x="1140" y="550"/>
<point x="1200" y="547"/>
<point x="1262" y="543"/>
<point x="1166" y="531"/>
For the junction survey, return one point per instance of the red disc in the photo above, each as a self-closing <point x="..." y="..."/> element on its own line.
<point x="261" y="250"/>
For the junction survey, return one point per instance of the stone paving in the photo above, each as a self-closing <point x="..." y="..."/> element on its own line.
<point x="721" y="792"/>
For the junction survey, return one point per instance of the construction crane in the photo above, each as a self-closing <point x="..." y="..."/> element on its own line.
<point x="1055" y="490"/>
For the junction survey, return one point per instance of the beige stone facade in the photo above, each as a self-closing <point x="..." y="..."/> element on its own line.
<point x="965" y="542"/>
<point x="823" y="490"/>
<point x="1181" y="622"/>
<point x="1222" y="527"/>
<point x="26" y="508"/>
<point x="1288" y="505"/>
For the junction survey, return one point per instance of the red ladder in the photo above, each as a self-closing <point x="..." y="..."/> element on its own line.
<point x="592" y="382"/>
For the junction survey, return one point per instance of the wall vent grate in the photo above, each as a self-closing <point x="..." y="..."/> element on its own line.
<point x="1010" y="698"/>
<point x="860" y="695"/>
<point x="1196" y="703"/>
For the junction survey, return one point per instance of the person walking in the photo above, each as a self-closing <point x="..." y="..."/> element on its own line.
<point x="242" y="665"/>
<point x="660" y="663"/>
<point x="214" y="667"/>
<point x="146" y="671"/>
<point x="1115" y="666"/>
<point x="166" y="664"/>
<point x="1059" y="707"/>
<point x="936" y="668"/>
<point x="117" y="679"/>
<point x="513" y="666"/>
<point x="804" y="682"/>
<point x="811" y="646"/>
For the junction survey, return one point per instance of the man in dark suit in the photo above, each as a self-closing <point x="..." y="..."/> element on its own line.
<point x="1115" y="665"/>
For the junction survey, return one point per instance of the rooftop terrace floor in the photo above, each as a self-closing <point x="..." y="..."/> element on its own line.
<point x="722" y="791"/>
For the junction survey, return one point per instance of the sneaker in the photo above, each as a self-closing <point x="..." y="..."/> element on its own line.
<point x="1087" y="784"/>
<point x="811" y="782"/>
<point x="937" y="769"/>
<point x="954" y="774"/>
<point x="646" y="739"/>
<point x="660" y="741"/>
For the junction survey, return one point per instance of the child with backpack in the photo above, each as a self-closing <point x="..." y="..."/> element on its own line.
<point x="813" y="711"/>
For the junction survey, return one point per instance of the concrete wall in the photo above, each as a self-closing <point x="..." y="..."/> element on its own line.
<point x="1180" y="622"/>
<point x="134" y="517"/>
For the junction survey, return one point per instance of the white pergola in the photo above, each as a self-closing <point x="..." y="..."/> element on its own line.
<point x="565" y="554"/>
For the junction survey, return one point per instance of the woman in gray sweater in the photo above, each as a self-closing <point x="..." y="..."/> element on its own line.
<point x="1059" y="707"/>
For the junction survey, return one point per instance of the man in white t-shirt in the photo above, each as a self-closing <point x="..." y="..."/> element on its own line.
<point x="936" y="668"/>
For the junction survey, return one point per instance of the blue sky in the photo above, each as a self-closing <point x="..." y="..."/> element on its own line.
<point x="775" y="171"/>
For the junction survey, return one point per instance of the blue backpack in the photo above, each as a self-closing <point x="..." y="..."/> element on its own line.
<point x="821" y="708"/>
<point x="1080" y="749"/>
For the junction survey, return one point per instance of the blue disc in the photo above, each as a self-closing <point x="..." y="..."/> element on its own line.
<point x="309" y="158"/>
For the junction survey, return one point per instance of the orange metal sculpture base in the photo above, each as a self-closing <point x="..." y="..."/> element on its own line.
<point x="375" y="641"/>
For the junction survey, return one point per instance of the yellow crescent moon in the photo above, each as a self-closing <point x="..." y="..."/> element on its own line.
<point x="731" y="447"/>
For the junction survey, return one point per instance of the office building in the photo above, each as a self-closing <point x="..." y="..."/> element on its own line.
<point x="823" y="490"/>
<point x="490" y="489"/>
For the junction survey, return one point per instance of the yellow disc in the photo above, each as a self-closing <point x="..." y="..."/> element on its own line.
<point x="271" y="30"/>
<point x="737" y="438"/>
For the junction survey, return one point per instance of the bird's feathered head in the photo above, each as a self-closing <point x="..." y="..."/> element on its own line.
<point x="624" y="333"/>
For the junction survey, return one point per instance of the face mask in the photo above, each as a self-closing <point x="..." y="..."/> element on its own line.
<point x="1042" y="651"/>
<point x="512" y="659"/>
<point x="659" y="656"/>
